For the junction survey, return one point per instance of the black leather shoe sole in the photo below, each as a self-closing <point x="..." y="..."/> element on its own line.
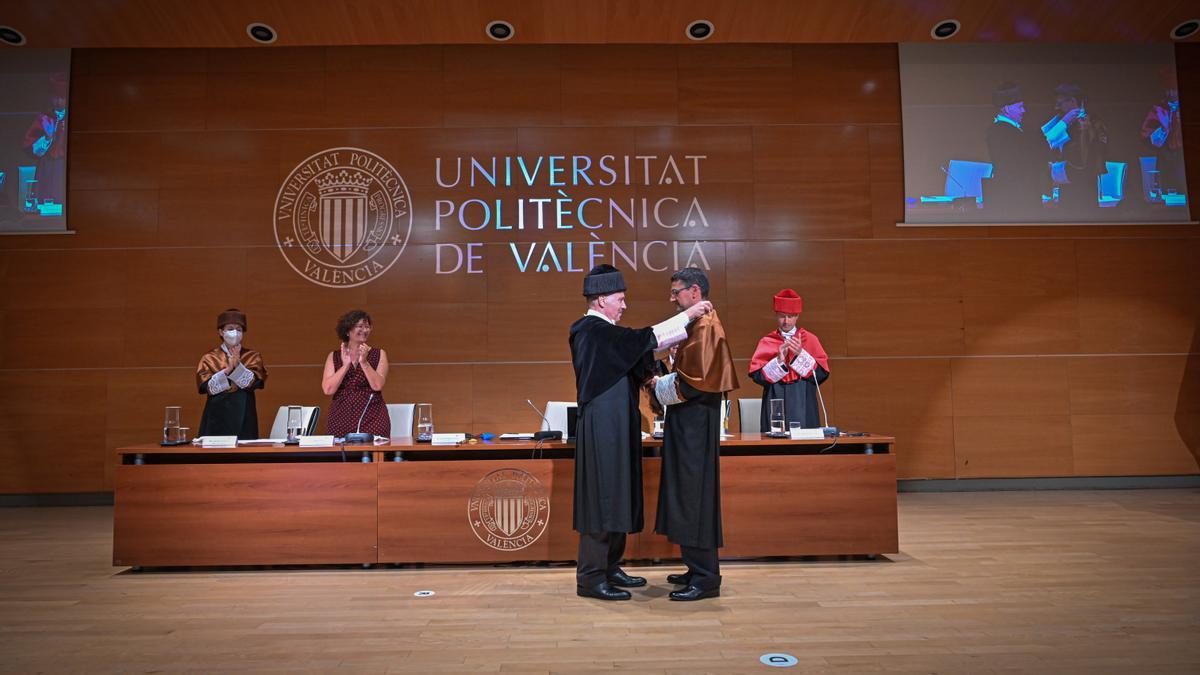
<point x="693" y="593"/>
<point x="602" y="594"/>
<point x="679" y="579"/>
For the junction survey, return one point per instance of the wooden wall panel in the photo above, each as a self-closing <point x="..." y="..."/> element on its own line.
<point x="811" y="211"/>
<point x="518" y="86"/>
<point x="446" y="387"/>
<point x="121" y="218"/>
<point x="114" y="161"/>
<point x="135" y="102"/>
<point x="736" y="96"/>
<point x="614" y="95"/>
<point x="1170" y="265"/>
<point x="1136" y="324"/>
<point x="1026" y="268"/>
<point x="961" y="342"/>
<point x="63" y="338"/>
<point x="1020" y="297"/>
<point x="904" y="327"/>
<point x="1126" y="385"/>
<point x="383" y="98"/>
<point x="729" y="151"/>
<point x="229" y="160"/>
<point x="35" y="404"/>
<point x="1016" y="445"/>
<point x="191" y="217"/>
<point x="811" y="154"/>
<point x="814" y="270"/>
<point x="146" y="61"/>
<point x="877" y="270"/>
<point x="1019" y="325"/>
<point x="63" y="279"/>
<point x="1006" y="387"/>
<point x="1103" y="445"/>
<point x="911" y="396"/>
<point x="839" y="84"/>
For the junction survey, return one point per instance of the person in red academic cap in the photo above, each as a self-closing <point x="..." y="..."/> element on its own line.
<point x="46" y="140"/>
<point x="789" y="363"/>
<point x="1163" y="131"/>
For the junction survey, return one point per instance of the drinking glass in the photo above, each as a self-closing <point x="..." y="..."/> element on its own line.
<point x="295" y="422"/>
<point x="424" y="421"/>
<point x="171" y="423"/>
<point x="777" y="416"/>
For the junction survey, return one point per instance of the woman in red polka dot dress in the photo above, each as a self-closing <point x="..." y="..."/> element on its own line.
<point x="352" y="374"/>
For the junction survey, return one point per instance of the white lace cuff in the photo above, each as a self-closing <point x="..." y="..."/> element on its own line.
<point x="666" y="392"/>
<point x="804" y="364"/>
<point x="774" y="371"/>
<point x="1056" y="133"/>
<point x="242" y="376"/>
<point x="218" y="383"/>
<point x="672" y="331"/>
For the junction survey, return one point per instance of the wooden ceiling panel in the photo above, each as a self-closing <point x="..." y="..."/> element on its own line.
<point x="222" y="23"/>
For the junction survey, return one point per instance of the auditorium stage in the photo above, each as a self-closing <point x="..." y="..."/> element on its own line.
<point x="1042" y="582"/>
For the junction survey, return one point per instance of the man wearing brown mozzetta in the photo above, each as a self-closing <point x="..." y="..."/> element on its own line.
<point x="689" y="496"/>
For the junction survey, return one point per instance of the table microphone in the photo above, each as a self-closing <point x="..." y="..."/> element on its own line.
<point x="544" y="435"/>
<point x="358" y="437"/>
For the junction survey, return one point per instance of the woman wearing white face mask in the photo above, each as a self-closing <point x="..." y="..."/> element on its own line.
<point x="229" y="374"/>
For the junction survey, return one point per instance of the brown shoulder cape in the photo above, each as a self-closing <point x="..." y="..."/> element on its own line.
<point x="704" y="360"/>
<point x="214" y="361"/>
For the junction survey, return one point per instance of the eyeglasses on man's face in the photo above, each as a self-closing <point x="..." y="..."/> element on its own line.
<point x="676" y="291"/>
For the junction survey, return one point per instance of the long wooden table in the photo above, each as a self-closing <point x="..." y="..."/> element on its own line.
<point x="490" y="502"/>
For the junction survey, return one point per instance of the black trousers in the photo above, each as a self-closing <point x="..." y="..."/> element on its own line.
<point x="599" y="553"/>
<point x="704" y="566"/>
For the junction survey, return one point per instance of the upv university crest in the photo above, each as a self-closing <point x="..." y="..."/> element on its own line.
<point x="342" y="217"/>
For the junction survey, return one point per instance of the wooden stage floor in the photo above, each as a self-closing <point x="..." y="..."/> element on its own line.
<point x="1046" y="582"/>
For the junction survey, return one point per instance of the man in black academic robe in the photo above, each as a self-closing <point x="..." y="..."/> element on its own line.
<point x="1020" y="172"/>
<point x="689" y="495"/>
<point x="611" y="363"/>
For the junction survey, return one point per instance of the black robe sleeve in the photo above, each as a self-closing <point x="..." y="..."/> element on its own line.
<point x="603" y="353"/>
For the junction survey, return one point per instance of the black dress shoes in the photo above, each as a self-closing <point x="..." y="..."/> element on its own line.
<point x="623" y="579"/>
<point x="602" y="591"/>
<point x="695" y="593"/>
<point x="680" y="579"/>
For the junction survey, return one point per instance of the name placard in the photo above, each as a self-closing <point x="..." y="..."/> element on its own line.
<point x="218" y="442"/>
<point x="448" y="439"/>
<point x="316" y="441"/>
<point x="807" y="434"/>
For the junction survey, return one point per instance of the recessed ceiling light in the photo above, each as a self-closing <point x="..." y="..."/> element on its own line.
<point x="1185" y="30"/>
<point x="945" y="29"/>
<point x="261" y="32"/>
<point x="701" y="29"/>
<point x="500" y="31"/>
<point x="12" y="36"/>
